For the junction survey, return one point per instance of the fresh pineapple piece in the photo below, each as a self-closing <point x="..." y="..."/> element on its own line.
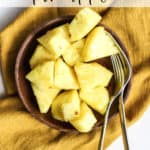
<point x="39" y="56"/>
<point x="72" y="55"/>
<point x="64" y="77"/>
<point x="66" y="106"/>
<point x="86" y="120"/>
<point x="92" y="75"/>
<point x="62" y="29"/>
<point x="42" y="75"/>
<point x="56" y="41"/>
<point x="79" y="44"/>
<point x="44" y="97"/>
<point x="97" y="98"/>
<point x="56" y="110"/>
<point x="71" y="105"/>
<point x="84" y="21"/>
<point x="98" y="45"/>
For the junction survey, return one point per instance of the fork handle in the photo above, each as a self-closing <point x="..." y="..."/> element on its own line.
<point x="123" y="122"/>
<point x="103" y="131"/>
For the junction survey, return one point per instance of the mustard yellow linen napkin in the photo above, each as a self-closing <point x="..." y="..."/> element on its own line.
<point x="19" y="130"/>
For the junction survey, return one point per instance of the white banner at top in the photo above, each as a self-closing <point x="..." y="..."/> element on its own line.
<point x="75" y="3"/>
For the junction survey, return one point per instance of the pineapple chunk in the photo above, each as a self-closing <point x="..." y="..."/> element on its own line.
<point x="97" y="98"/>
<point x="98" y="45"/>
<point x="39" y="56"/>
<point x="92" y="75"/>
<point x="64" y="77"/>
<point x="62" y="29"/>
<point x="56" y="41"/>
<point x="85" y="20"/>
<point x="86" y="120"/>
<point x="42" y="75"/>
<point x="66" y="106"/>
<point x="56" y="110"/>
<point x="79" y="44"/>
<point x="44" y="97"/>
<point x="73" y="54"/>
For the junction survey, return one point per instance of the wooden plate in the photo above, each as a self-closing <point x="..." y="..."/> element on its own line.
<point x="22" y="68"/>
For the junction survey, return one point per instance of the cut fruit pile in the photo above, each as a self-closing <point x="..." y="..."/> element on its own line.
<point x="62" y="76"/>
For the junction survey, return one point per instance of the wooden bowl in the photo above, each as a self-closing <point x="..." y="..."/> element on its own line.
<point x="22" y="68"/>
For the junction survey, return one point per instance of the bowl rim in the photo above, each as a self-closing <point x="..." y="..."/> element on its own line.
<point x="21" y="51"/>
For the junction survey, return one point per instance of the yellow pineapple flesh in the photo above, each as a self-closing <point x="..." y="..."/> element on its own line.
<point x="56" y="41"/>
<point x="39" y="56"/>
<point x="44" y="97"/>
<point x="72" y="55"/>
<point x="86" y="120"/>
<point x="64" y="76"/>
<point x="84" y="21"/>
<point x="42" y="75"/>
<point x="92" y="75"/>
<point x="98" y="45"/>
<point x="97" y="98"/>
<point x="66" y="106"/>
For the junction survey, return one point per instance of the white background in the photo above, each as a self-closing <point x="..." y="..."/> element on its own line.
<point x="139" y="133"/>
<point x="69" y="3"/>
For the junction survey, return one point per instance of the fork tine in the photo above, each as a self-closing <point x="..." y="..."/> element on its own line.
<point x="114" y="67"/>
<point x="117" y="68"/>
<point x="122" y="56"/>
<point x="121" y="69"/>
<point x="116" y="71"/>
<point x="124" y="65"/>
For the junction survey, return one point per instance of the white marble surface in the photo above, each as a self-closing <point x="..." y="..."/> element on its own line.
<point x="139" y="133"/>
